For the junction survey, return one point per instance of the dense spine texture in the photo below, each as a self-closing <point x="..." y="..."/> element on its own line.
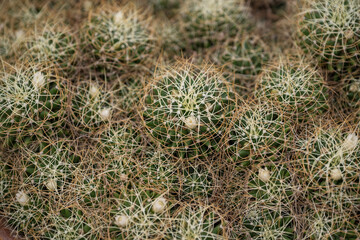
<point x="180" y="119"/>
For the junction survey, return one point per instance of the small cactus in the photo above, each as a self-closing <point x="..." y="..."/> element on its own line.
<point x="295" y="87"/>
<point x="139" y="214"/>
<point x="259" y="132"/>
<point x="32" y="104"/>
<point x="187" y="109"/>
<point x="268" y="222"/>
<point x="351" y="88"/>
<point x="329" y="31"/>
<point x="54" y="46"/>
<point x="196" y="222"/>
<point x="243" y="59"/>
<point x="119" y="39"/>
<point x="92" y="106"/>
<point x="207" y="22"/>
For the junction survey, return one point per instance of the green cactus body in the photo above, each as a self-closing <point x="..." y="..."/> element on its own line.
<point x="139" y="214"/>
<point x="196" y="222"/>
<point x="92" y="106"/>
<point x="53" y="46"/>
<point x="259" y="132"/>
<point x="120" y="39"/>
<point x="187" y="109"/>
<point x="330" y="32"/>
<point x="207" y="22"/>
<point x="169" y="7"/>
<point x="269" y="222"/>
<point x="271" y="185"/>
<point x="295" y="87"/>
<point x="330" y="161"/>
<point x="322" y="224"/>
<point x="31" y="105"/>
<point x="243" y="58"/>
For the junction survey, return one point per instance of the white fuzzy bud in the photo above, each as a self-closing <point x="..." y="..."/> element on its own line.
<point x="351" y="142"/>
<point x="354" y="87"/>
<point x="122" y="220"/>
<point x="105" y="113"/>
<point x="336" y="174"/>
<point x="264" y="175"/>
<point x="159" y="205"/>
<point x="94" y="91"/>
<point x="22" y="198"/>
<point x="118" y="17"/>
<point x="191" y="122"/>
<point x="51" y="184"/>
<point x="38" y="80"/>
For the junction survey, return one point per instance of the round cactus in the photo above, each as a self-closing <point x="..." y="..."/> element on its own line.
<point x="295" y="86"/>
<point x="259" y="132"/>
<point x="139" y="214"/>
<point x="329" y="158"/>
<point x="243" y="58"/>
<point x="92" y="106"/>
<point x="329" y="30"/>
<point x="119" y="39"/>
<point x="187" y="109"/>
<point x="268" y="222"/>
<point x="196" y="222"/>
<point x="271" y="185"/>
<point x="54" y="46"/>
<point x="322" y="224"/>
<point x="32" y="104"/>
<point x="207" y="22"/>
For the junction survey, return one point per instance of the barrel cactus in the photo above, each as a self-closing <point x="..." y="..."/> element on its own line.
<point x="207" y="22"/>
<point x="243" y="58"/>
<point x="54" y="45"/>
<point x="296" y="87"/>
<point x="119" y="39"/>
<point x="92" y="106"/>
<point x="268" y="222"/>
<point x="187" y="109"/>
<point x="32" y="102"/>
<point x="196" y="222"/>
<point x="139" y="214"/>
<point x="259" y="132"/>
<point x="329" y="158"/>
<point x="329" y="30"/>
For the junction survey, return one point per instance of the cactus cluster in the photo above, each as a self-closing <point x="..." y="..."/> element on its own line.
<point x="180" y="119"/>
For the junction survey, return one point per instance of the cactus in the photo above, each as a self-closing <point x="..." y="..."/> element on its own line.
<point x="169" y="7"/>
<point x="259" y="132"/>
<point x="119" y="39"/>
<point x="329" y="31"/>
<point x="243" y="57"/>
<point x="92" y="106"/>
<point x="187" y="109"/>
<point x="322" y="224"/>
<point x="329" y="158"/>
<point x="268" y="222"/>
<point x="296" y="87"/>
<point x="31" y="99"/>
<point x="139" y="214"/>
<point x="207" y="22"/>
<point x="271" y="185"/>
<point x="53" y="45"/>
<point x="196" y="222"/>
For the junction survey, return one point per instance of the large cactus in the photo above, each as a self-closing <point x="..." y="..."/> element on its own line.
<point x="187" y="109"/>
